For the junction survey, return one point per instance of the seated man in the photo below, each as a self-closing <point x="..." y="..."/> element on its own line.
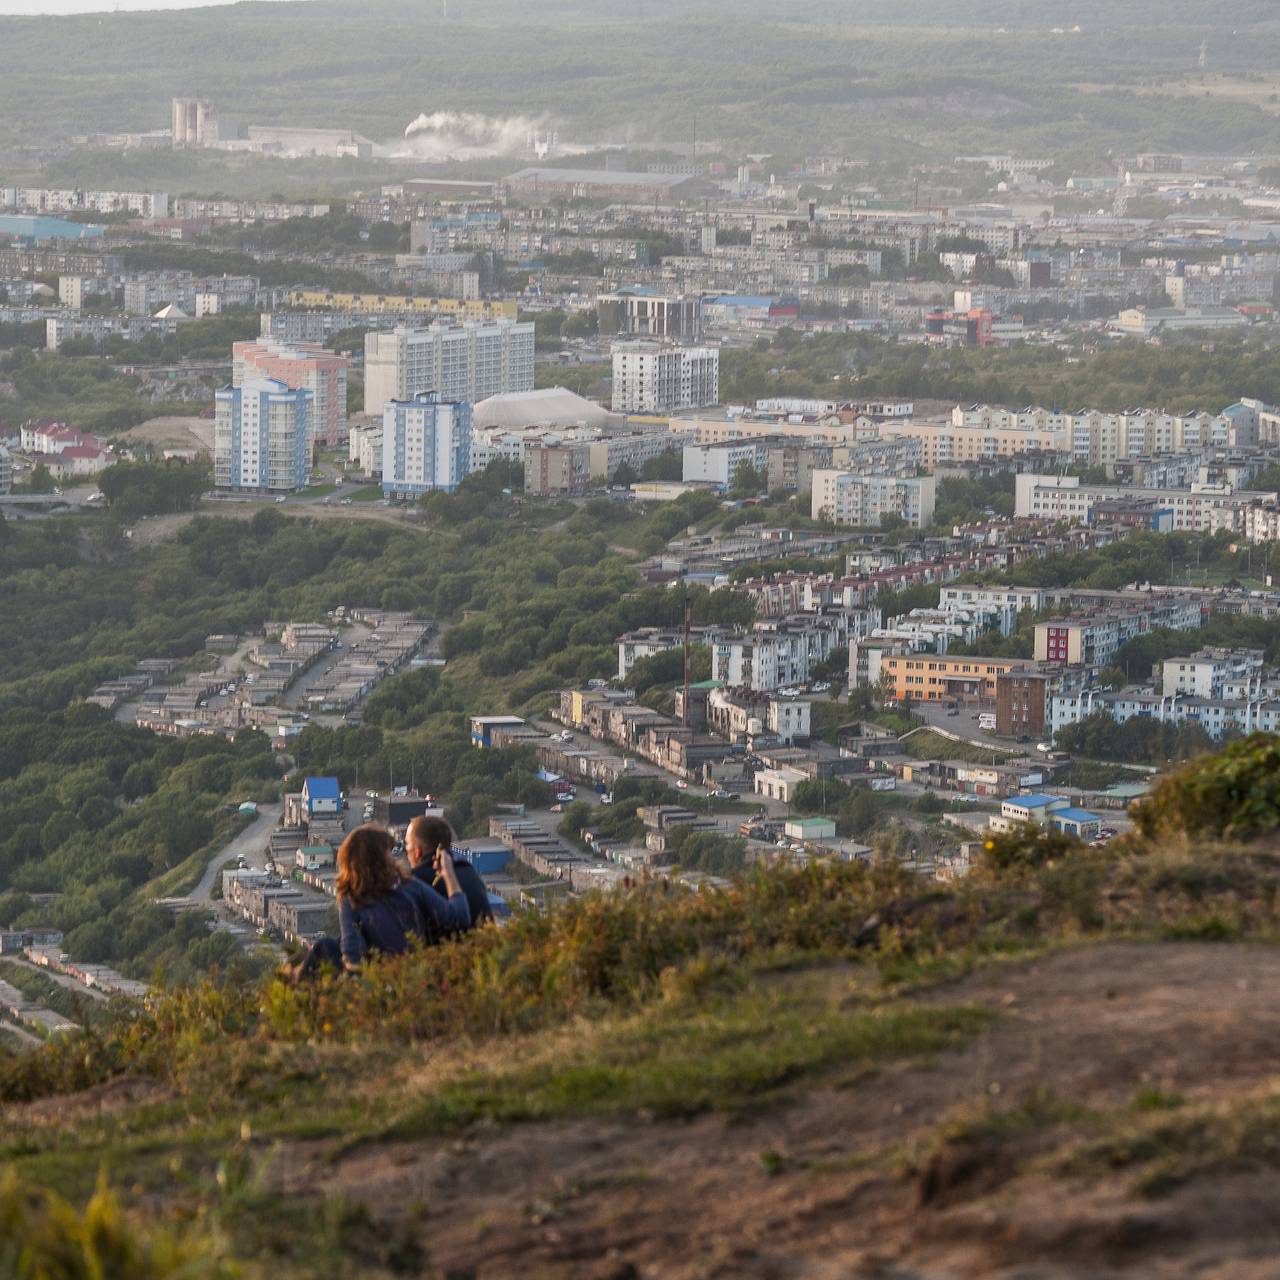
<point x="427" y="836"/>
<point x="379" y="911"/>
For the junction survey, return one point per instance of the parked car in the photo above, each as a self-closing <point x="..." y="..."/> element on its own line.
<point x="681" y="785"/>
<point x="607" y="798"/>
<point x="821" y="687"/>
<point x="557" y="808"/>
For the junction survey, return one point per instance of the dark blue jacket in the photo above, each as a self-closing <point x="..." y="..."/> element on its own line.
<point x="411" y="910"/>
<point x="468" y="878"/>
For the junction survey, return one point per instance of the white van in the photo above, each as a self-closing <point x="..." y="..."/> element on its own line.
<point x="987" y="721"/>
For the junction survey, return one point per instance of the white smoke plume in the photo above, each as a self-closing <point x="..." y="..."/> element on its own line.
<point x="469" y="135"/>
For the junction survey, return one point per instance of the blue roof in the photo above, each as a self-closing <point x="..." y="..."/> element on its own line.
<point x="1075" y="815"/>
<point x="322" y="788"/>
<point x="1036" y="801"/>
<point x="740" y="300"/>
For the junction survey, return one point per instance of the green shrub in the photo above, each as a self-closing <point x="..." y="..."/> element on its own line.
<point x="1234" y="793"/>
<point x="1029" y="846"/>
<point x="43" y="1237"/>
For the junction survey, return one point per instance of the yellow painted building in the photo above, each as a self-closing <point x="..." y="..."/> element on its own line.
<point x="376" y="303"/>
<point x="927" y="677"/>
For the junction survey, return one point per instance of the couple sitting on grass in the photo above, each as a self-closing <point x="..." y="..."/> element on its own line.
<point x="381" y="911"/>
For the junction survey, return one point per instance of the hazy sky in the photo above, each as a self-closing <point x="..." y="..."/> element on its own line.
<point x="27" y="7"/>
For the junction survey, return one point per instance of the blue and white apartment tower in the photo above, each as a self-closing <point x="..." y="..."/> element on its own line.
<point x="261" y="437"/>
<point x="426" y="445"/>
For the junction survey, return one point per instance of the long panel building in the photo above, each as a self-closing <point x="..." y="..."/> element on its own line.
<point x="466" y="362"/>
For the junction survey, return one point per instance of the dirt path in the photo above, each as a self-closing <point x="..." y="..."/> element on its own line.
<point x="637" y="1200"/>
<point x="148" y="533"/>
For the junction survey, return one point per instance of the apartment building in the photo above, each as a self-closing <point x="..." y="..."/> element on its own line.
<point x="642" y="313"/>
<point x="778" y="653"/>
<point x="1218" y="717"/>
<point x="1094" y="639"/>
<point x="426" y="445"/>
<point x="552" y="470"/>
<point x="466" y="362"/>
<point x="861" y="500"/>
<point x="1203" y="508"/>
<point x="1223" y="674"/>
<point x="476" y="310"/>
<point x="739" y="714"/>
<point x="305" y="365"/>
<point x="143" y="204"/>
<point x="364" y="448"/>
<point x="718" y="463"/>
<point x="261" y="436"/>
<point x="942" y="443"/>
<point x="646" y="642"/>
<point x="1024" y="696"/>
<point x="936" y="677"/>
<point x="655" y="378"/>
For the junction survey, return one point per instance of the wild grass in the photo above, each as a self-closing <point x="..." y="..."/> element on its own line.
<point x="1164" y="1146"/>
<point x="43" y="1237"/>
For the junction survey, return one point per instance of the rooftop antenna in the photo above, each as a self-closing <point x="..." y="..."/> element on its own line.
<point x="1204" y="53"/>
<point x="444" y="10"/>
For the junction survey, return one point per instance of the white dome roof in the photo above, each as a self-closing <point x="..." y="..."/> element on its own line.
<point x="550" y="407"/>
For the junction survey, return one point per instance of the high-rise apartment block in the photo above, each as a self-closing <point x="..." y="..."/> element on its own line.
<point x="426" y="445"/>
<point x="653" y="378"/>
<point x="260" y="436"/>
<point x="300" y="365"/>
<point x="465" y="362"/>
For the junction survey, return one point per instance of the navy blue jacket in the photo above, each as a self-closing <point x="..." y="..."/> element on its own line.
<point x="469" y="880"/>
<point x="411" y="910"/>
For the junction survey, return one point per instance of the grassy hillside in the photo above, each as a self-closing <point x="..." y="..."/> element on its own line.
<point x="871" y="75"/>
<point x="625" y="1075"/>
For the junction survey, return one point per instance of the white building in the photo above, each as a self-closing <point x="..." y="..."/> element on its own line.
<point x="1203" y="507"/>
<point x="462" y="363"/>
<point x="364" y="448"/>
<point x="6" y="470"/>
<point x="718" y="463"/>
<point x="777" y="654"/>
<point x="649" y="641"/>
<point x="1215" y="673"/>
<point x="651" y="378"/>
<point x="426" y="445"/>
<point x="1217" y="716"/>
<point x="848" y="498"/>
<point x="260" y="437"/>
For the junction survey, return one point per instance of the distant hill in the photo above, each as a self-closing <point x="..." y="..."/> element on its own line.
<point x="884" y="78"/>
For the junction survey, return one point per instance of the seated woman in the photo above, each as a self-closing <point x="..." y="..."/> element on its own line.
<point x="380" y="912"/>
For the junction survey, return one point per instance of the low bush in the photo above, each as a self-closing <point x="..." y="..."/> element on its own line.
<point x="42" y="1237"/>
<point x="1234" y="793"/>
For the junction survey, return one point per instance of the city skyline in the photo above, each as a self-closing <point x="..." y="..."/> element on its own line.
<point x="69" y="8"/>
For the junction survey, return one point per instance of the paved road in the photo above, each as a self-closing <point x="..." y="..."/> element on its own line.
<point x="250" y="844"/>
<point x="61" y="979"/>
<point x="21" y="1034"/>
<point x="163" y="528"/>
